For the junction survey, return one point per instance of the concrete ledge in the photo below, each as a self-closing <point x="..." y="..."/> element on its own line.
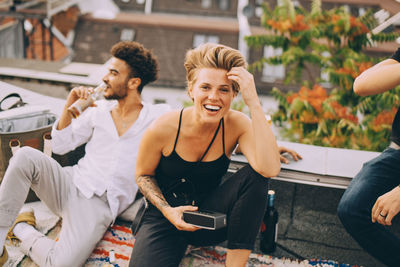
<point x="320" y="166"/>
<point x="46" y="76"/>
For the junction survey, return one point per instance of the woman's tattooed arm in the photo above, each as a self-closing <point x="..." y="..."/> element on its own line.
<point x="151" y="191"/>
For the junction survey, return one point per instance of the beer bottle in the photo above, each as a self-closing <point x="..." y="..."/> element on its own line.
<point x="80" y="105"/>
<point x="269" y="227"/>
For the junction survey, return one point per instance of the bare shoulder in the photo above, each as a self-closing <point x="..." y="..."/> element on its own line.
<point x="236" y="125"/>
<point x="237" y="121"/>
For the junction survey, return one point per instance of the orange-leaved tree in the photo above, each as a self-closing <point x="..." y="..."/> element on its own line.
<point x="332" y="40"/>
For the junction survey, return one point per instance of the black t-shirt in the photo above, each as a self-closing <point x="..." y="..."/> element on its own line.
<point x="395" y="136"/>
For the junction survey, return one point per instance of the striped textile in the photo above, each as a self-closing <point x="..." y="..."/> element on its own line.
<point x="119" y="239"/>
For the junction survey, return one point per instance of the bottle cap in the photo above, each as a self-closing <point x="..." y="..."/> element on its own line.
<point x="271" y="192"/>
<point x="268" y="118"/>
<point x="102" y="86"/>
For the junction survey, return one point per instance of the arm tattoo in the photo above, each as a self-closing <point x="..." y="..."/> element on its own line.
<point x="151" y="191"/>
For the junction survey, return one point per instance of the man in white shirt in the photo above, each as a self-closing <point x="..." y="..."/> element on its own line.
<point x="89" y="195"/>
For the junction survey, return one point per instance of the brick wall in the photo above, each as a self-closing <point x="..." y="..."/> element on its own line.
<point x="184" y="7"/>
<point x="194" y="7"/>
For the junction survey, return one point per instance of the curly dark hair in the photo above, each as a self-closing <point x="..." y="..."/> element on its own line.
<point x="143" y="63"/>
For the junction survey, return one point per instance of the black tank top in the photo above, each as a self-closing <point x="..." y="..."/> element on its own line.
<point x="186" y="182"/>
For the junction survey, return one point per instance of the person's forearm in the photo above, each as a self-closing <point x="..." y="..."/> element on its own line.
<point x="65" y="119"/>
<point x="151" y="191"/>
<point x="378" y="79"/>
<point x="66" y="116"/>
<point x="265" y="146"/>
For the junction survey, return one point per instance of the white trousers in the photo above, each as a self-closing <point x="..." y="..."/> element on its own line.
<point x="84" y="221"/>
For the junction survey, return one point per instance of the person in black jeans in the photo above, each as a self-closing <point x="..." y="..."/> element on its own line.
<point x="184" y="154"/>
<point x="372" y="199"/>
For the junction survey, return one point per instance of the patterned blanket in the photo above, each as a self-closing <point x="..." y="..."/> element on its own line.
<point x="116" y="246"/>
<point x="118" y="242"/>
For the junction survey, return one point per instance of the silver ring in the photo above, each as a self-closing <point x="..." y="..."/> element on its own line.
<point x="384" y="216"/>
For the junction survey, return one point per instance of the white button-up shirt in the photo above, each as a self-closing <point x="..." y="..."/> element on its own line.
<point x="110" y="160"/>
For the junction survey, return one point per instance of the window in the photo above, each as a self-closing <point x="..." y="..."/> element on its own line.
<point x="206" y="3"/>
<point x="272" y="73"/>
<point x="259" y="12"/>
<point x="324" y="74"/>
<point x="159" y="101"/>
<point x="127" y="35"/>
<point x="199" y="39"/>
<point x="346" y="8"/>
<point x="361" y="11"/>
<point x="223" y="4"/>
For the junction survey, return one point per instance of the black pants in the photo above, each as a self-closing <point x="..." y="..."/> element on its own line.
<point x="243" y="197"/>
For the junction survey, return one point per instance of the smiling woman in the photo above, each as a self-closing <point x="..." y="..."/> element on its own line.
<point x="212" y="92"/>
<point x="184" y="154"/>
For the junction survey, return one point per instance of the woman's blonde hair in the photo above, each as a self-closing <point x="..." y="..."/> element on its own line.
<point x="212" y="56"/>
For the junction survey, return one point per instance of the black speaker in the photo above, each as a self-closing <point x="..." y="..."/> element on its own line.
<point x="205" y="219"/>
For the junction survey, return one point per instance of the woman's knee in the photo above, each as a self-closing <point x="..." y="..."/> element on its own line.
<point x="259" y="190"/>
<point x="252" y="193"/>
<point x="256" y="184"/>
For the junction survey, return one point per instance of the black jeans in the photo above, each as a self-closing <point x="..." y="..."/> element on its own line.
<point x="377" y="177"/>
<point x="243" y="197"/>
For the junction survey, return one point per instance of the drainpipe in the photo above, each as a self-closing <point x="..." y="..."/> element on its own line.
<point x="148" y="6"/>
<point x="244" y="28"/>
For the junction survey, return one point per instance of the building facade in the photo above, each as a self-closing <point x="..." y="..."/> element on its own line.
<point x="172" y="27"/>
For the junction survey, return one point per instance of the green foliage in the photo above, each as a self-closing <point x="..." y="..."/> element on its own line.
<point x="384" y="37"/>
<point x="187" y="103"/>
<point x="332" y="40"/>
<point x="238" y="105"/>
<point x="315" y="8"/>
<point x="280" y="97"/>
<point x="262" y="40"/>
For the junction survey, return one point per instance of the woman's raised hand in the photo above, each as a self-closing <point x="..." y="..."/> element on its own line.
<point x="175" y="216"/>
<point x="247" y="87"/>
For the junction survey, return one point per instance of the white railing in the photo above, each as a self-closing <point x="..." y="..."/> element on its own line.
<point x="386" y="23"/>
<point x="6" y="3"/>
